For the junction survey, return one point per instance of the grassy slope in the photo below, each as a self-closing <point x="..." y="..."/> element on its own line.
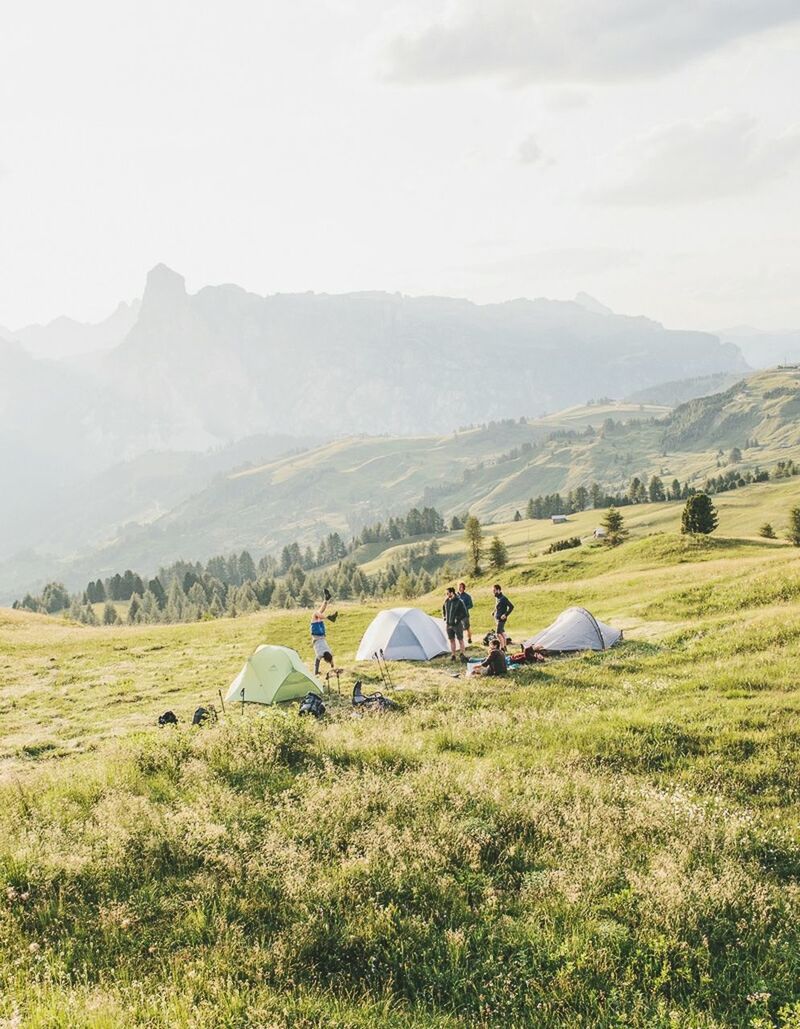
<point x="612" y="839"/>
<point x="346" y="484"/>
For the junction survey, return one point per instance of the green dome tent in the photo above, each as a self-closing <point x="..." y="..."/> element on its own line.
<point x="271" y="675"/>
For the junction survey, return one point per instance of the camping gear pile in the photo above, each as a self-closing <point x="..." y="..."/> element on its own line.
<point x="372" y="701"/>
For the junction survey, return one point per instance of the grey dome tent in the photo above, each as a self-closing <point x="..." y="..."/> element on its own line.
<point x="575" y="629"/>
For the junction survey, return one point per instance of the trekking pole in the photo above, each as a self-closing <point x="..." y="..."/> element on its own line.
<point x="242" y="695"/>
<point x="380" y="669"/>
<point x="388" y="674"/>
<point x="219" y="693"/>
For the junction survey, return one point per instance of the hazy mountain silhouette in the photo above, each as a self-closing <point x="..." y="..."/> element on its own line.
<point x="198" y="372"/>
<point x="64" y="337"/>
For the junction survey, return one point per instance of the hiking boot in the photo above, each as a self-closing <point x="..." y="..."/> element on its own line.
<point x="452" y="657"/>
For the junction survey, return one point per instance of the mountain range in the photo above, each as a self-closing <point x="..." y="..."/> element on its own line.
<point x="124" y="421"/>
<point x="490" y="470"/>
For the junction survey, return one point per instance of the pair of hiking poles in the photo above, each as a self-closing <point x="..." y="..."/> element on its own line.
<point x="383" y="666"/>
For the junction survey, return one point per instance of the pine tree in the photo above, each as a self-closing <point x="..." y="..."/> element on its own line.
<point x="155" y="587"/>
<point x="88" y="617"/>
<point x="498" y="553"/>
<point x="517" y="516"/>
<point x="247" y="567"/>
<point x="473" y="534"/>
<point x="767" y="532"/>
<point x="794" y="527"/>
<point x="614" y="526"/>
<point x="699" y="515"/>
<point x="110" y="616"/>
<point x="655" y="490"/>
<point x="133" y="609"/>
<point x="529" y="509"/>
<point x="581" y="498"/>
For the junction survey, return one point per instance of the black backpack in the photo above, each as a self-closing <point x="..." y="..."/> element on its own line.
<point x="202" y="716"/>
<point x="311" y="704"/>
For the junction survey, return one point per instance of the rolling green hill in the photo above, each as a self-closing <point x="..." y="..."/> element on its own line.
<point x="490" y="471"/>
<point x="606" y="840"/>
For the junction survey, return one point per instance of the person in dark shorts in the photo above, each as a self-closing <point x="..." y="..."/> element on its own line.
<point x="466" y="600"/>
<point x="454" y="614"/>
<point x="495" y="663"/>
<point x="502" y="609"/>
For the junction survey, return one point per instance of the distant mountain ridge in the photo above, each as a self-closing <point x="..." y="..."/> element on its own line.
<point x="490" y="470"/>
<point x="198" y="372"/>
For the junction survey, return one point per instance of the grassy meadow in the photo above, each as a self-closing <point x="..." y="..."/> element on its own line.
<point x="607" y="840"/>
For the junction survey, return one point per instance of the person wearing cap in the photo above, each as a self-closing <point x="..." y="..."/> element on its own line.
<point x="466" y="600"/>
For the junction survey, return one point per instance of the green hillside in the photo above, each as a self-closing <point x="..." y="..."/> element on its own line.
<point x="490" y="471"/>
<point x="606" y="840"/>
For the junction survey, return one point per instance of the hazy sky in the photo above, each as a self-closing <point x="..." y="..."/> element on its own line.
<point x="643" y="151"/>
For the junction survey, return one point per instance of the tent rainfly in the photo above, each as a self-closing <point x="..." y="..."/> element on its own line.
<point x="575" y="629"/>
<point x="270" y="675"/>
<point x="403" y="634"/>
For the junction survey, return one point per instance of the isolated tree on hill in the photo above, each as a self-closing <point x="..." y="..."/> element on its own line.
<point x="498" y="553"/>
<point x="699" y="515"/>
<point x="794" y="527"/>
<point x="473" y="534"/>
<point x="54" y="597"/>
<point x="767" y="532"/>
<point x="517" y="516"/>
<point x="614" y="525"/>
<point x="656" y="490"/>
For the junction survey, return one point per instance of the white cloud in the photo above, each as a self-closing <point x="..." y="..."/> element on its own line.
<point x="530" y="152"/>
<point x="696" y="161"/>
<point x="573" y="41"/>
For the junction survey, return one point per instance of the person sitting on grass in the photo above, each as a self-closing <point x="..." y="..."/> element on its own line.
<point x="495" y="663"/>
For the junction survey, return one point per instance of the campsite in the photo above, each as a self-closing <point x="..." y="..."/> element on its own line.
<point x="609" y="838"/>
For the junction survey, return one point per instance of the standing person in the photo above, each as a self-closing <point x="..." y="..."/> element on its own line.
<point x="319" y="639"/>
<point x="466" y="600"/>
<point x="454" y="614"/>
<point x="502" y="609"/>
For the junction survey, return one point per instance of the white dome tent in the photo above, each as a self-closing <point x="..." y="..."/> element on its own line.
<point x="403" y="634"/>
<point x="575" y="629"/>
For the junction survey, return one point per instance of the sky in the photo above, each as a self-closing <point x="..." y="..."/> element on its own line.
<point x="646" y="153"/>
